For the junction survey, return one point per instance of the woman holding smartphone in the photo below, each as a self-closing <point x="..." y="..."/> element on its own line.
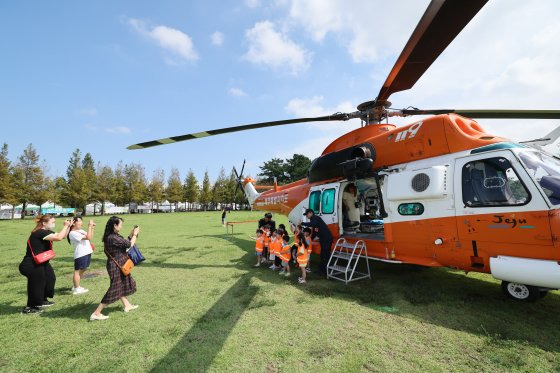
<point x="116" y="247"/>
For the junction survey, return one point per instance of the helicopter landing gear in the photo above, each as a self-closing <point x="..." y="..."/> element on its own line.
<point x="522" y="292"/>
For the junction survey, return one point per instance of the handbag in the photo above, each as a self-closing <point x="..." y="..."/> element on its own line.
<point x="126" y="268"/>
<point x="43" y="257"/>
<point x="135" y="255"/>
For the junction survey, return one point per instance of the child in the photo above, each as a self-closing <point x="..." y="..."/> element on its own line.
<point x="272" y="248"/>
<point x="302" y="256"/>
<point x="277" y="248"/>
<point x="83" y="249"/>
<point x="266" y="237"/>
<point x="307" y="234"/>
<point x="259" y="246"/>
<point x="285" y="255"/>
<point x="294" y="249"/>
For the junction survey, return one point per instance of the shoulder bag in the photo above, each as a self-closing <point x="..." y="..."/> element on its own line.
<point x="43" y="257"/>
<point x="126" y="268"/>
<point x="135" y="255"/>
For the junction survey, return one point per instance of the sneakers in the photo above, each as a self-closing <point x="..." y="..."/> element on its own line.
<point x="272" y="267"/>
<point x="132" y="307"/>
<point x="31" y="311"/>
<point x="46" y="303"/>
<point x="302" y="281"/>
<point x="282" y="271"/>
<point x="257" y="265"/>
<point x="94" y="317"/>
<point x="308" y="270"/>
<point x="79" y="290"/>
<point x="287" y="274"/>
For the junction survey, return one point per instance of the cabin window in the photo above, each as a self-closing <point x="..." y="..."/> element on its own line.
<point x="327" y="203"/>
<point x="546" y="171"/>
<point x="492" y="182"/>
<point x="315" y="201"/>
<point x="411" y="209"/>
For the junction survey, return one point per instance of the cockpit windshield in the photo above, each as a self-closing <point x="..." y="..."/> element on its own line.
<point x="546" y="171"/>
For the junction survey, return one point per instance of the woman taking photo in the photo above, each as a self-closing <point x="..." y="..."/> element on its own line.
<point x="40" y="277"/>
<point x="116" y="247"/>
<point x="80" y="240"/>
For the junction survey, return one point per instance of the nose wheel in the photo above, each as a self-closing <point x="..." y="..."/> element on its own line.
<point x="522" y="292"/>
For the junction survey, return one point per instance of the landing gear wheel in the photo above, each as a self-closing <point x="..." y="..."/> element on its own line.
<point x="521" y="292"/>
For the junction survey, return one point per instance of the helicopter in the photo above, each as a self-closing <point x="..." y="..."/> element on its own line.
<point x="439" y="192"/>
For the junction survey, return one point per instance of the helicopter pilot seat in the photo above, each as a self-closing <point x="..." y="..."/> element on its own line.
<point x="491" y="190"/>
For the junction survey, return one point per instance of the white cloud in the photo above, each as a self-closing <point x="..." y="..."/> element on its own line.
<point x="237" y="92"/>
<point x="118" y="130"/>
<point x="217" y="38"/>
<point x="90" y="127"/>
<point x="170" y="39"/>
<point x="253" y="3"/>
<point x="89" y="111"/>
<point x="268" y="47"/>
<point x="366" y="28"/>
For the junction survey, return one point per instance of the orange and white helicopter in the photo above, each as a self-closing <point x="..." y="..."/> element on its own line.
<point x="438" y="192"/>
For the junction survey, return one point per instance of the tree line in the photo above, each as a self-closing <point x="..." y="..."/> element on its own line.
<point x="25" y="182"/>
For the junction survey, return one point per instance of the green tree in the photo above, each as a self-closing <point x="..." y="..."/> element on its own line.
<point x="296" y="168"/>
<point x="190" y="189"/>
<point x="174" y="190"/>
<point x="206" y="191"/>
<point x="74" y="163"/>
<point x="276" y="167"/>
<point x="120" y="197"/>
<point x="157" y="187"/>
<point x="28" y="178"/>
<point x="105" y="186"/>
<point x="219" y="190"/>
<point x="7" y="191"/>
<point x="136" y="189"/>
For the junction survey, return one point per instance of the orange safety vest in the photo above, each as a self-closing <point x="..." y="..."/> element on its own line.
<point x="277" y="246"/>
<point x="266" y="239"/>
<point x="259" y="245"/>
<point x="272" y="245"/>
<point x="284" y="253"/>
<point x="302" y="256"/>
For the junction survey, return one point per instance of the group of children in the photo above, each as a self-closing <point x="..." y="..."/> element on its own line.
<point x="273" y="247"/>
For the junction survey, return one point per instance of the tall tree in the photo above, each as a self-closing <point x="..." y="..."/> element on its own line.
<point x="219" y="190"/>
<point x="297" y="167"/>
<point x="105" y="186"/>
<point x="7" y="191"/>
<point x="174" y="191"/>
<point x="157" y="187"/>
<point x="276" y="167"/>
<point x="135" y="182"/>
<point x="206" y="191"/>
<point x="28" y="177"/>
<point x="88" y="168"/>
<point x="120" y="197"/>
<point x="190" y="189"/>
<point x="74" y="163"/>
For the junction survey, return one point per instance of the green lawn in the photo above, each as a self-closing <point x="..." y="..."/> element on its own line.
<point x="203" y="307"/>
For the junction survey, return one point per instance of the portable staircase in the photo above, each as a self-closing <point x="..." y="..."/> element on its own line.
<point x="344" y="260"/>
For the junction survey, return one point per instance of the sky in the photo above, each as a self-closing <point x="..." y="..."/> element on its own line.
<point x="100" y="76"/>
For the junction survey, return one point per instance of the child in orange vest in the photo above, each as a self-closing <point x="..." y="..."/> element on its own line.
<point x="272" y="248"/>
<point x="266" y="237"/>
<point x="307" y="234"/>
<point x="285" y="255"/>
<point x="259" y="246"/>
<point x="302" y="256"/>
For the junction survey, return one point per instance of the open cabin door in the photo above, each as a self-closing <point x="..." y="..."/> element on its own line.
<point x="323" y="200"/>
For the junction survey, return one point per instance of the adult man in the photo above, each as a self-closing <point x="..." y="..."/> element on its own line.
<point x="350" y="207"/>
<point x="321" y="230"/>
<point x="267" y="220"/>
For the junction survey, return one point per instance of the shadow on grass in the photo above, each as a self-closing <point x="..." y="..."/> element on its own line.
<point x="8" y="309"/>
<point x="199" y="346"/>
<point x="438" y="296"/>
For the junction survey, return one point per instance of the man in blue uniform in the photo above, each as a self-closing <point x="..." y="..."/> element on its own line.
<point x="320" y="229"/>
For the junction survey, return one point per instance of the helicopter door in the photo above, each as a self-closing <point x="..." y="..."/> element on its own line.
<point x="496" y="203"/>
<point x="323" y="199"/>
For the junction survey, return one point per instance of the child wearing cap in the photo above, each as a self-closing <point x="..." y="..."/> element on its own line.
<point x="302" y="256"/>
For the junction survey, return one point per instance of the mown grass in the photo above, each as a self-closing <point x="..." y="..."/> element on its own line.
<point x="204" y="308"/>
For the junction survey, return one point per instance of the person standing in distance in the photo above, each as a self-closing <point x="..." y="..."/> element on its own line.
<point x="40" y="277"/>
<point x="121" y="286"/>
<point x="320" y="229"/>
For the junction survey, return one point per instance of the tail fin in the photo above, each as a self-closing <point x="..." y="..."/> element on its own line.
<point x="250" y="191"/>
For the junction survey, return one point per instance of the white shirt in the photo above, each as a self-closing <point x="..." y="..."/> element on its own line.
<point x="81" y="247"/>
<point x="349" y="199"/>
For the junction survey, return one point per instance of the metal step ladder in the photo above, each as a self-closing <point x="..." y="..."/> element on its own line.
<point x="344" y="260"/>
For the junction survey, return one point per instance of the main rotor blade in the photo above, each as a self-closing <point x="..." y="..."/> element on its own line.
<point x="491" y="114"/>
<point x="198" y="135"/>
<point x="440" y="24"/>
<point x="242" y="168"/>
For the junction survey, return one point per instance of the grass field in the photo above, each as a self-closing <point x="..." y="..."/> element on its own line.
<point x="204" y="308"/>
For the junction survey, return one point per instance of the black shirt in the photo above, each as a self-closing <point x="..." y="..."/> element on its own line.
<point x="271" y="222"/>
<point x="224" y="214"/>
<point x="319" y="228"/>
<point x="37" y="242"/>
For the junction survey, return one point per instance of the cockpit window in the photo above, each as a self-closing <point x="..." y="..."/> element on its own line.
<point x="546" y="171"/>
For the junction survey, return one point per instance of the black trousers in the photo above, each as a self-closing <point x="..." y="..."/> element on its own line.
<point x="40" y="281"/>
<point x="325" y="253"/>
